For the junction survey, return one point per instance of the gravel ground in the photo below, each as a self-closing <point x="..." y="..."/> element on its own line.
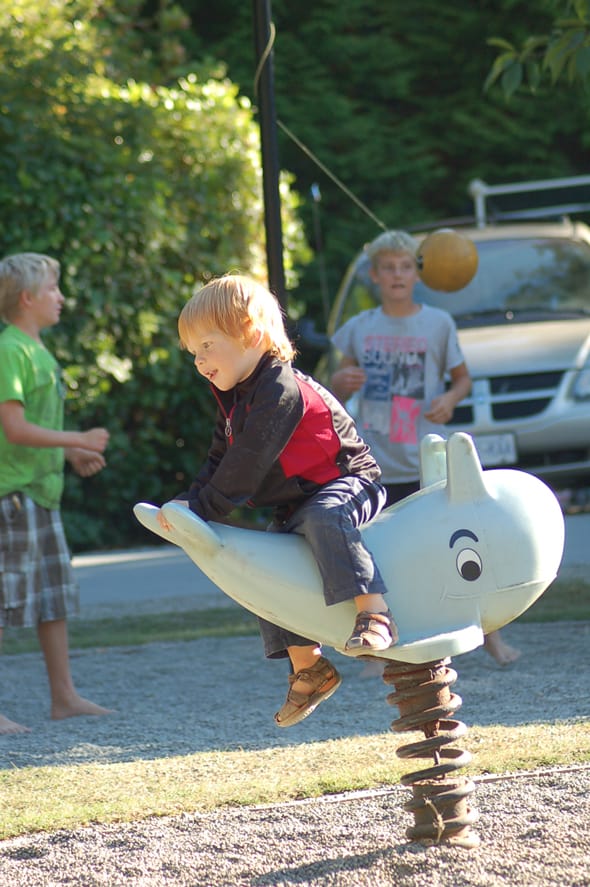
<point x="170" y="700"/>
<point x="534" y="830"/>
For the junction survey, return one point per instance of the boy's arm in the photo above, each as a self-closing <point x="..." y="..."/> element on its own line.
<point x="442" y="407"/>
<point x="18" y="430"/>
<point x="348" y="378"/>
<point x="86" y="463"/>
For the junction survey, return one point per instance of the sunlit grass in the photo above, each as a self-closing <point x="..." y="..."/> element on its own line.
<point x="49" y="798"/>
<point x="564" y="601"/>
<point x="143" y="629"/>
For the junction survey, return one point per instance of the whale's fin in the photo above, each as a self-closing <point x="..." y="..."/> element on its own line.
<point x="465" y="477"/>
<point x="433" y="460"/>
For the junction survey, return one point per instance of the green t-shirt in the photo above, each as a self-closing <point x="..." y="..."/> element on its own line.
<point x="31" y="375"/>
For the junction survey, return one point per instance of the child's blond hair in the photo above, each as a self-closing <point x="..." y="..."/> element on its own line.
<point x="240" y="308"/>
<point x="391" y="242"/>
<point x="20" y="272"/>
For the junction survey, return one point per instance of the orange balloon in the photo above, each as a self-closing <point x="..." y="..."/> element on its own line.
<point x="447" y="260"/>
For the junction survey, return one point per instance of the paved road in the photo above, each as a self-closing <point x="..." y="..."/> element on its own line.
<point x="158" y="579"/>
<point x="163" y="578"/>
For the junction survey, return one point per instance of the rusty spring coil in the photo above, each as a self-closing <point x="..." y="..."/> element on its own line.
<point x="439" y="804"/>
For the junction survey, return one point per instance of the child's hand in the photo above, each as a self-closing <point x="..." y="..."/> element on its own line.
<point x="96" y="439"/>
<point x="85" y="462"/>
<point x="441" y="409"/>
<point x="349" y="379"/>
<point x="162" y="521"/>
<point x="160" y="515"/>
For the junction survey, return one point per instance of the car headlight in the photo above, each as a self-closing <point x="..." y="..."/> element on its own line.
<point x="581" y="386"/>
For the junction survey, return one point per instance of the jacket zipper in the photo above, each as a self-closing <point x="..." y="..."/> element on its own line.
<point x="228" y="429"/>
<point x="229" y="433"/>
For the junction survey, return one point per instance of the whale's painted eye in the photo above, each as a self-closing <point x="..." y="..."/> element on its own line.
<point x="469" y="564"/>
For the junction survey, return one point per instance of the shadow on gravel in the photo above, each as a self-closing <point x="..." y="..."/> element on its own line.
<point x="178" y="699"/>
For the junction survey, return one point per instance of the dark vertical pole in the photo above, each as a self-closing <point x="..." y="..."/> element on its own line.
<point x="270" y="154"/>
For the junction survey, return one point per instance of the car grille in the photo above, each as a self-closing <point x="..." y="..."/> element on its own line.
<point x="509" y="397"/>
<point x="540" y="461"/>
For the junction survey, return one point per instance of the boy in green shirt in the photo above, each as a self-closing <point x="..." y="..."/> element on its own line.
<point x="37" y="586"/>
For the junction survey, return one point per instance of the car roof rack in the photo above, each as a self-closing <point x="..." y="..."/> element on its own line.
<point x="487" y="210"/>
<point x="454" y="222"/>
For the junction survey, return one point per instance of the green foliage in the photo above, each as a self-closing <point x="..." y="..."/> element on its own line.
<point x="562" y="52"/>
<point x="140" y="191"/>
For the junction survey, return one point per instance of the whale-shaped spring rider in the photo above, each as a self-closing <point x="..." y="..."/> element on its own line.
<point x="466" y="554"/>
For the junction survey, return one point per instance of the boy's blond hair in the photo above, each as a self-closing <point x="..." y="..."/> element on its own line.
<point x="240" y="308"/>
<point x="391" y="242"/>
<point x="23" y="271"/>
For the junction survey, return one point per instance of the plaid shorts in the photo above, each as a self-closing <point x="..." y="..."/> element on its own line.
<point x="36" y="578"/>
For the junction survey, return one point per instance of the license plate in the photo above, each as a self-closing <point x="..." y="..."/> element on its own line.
<point x="496" y="449"/>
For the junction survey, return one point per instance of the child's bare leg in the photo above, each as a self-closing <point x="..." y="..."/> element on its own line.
<point x="499" y="650"/>
<point x="65" y="699"/>
<point x="302" y="658"/>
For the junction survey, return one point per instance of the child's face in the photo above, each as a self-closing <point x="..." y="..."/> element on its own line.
<point x="45" y="307"/>
<point x="395" y="274"/>
<point x="224" y="361"/>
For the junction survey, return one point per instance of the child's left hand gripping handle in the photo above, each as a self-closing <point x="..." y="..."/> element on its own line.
<point x="188" y="530"/>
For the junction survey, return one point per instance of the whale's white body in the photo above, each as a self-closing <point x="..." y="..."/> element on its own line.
<point x="465" y="555"/>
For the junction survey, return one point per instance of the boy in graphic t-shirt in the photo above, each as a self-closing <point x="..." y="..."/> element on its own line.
<point x="397" y="356"/>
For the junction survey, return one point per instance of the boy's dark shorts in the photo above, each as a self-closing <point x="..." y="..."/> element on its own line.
<point x="36" y="578"/>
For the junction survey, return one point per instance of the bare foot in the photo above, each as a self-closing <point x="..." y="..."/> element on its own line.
<point x="373" y="668"/>
<point x="8" y="726"/>
<point x="499" y="650"/>
<point x="77" y="705"/>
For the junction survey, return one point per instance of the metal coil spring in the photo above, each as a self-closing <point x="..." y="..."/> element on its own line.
<point x="439" y="804"/>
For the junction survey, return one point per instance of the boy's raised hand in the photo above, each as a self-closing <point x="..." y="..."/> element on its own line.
<point x="348" y="379"/>
<point x="96" y="439"/>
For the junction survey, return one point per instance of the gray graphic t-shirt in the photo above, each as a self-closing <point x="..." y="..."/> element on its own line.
<point x="405" y="361"/>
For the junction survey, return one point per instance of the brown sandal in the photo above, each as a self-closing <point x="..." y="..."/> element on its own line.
<point x="323" y="679"/>
<point x="372" y="632"/>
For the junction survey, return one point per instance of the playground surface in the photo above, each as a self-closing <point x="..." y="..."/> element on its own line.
<point x="533" y="828"/>
<point x="176" y="699"/>
<point x="534" y="833"/>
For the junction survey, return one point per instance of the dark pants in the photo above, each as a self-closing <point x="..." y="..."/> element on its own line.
<point x="331" y="521"/>
<point x="396" y="492"/>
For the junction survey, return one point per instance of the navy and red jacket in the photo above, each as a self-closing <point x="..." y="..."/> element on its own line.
<point x="279" y="437"/>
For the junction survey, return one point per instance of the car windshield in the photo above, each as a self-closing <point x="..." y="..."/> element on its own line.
<point x="516" y="280"/>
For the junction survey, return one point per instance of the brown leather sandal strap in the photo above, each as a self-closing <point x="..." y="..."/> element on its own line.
<point x="375" y="623"/>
